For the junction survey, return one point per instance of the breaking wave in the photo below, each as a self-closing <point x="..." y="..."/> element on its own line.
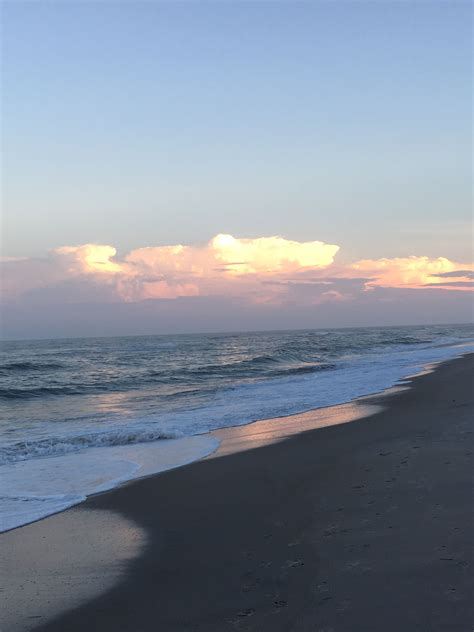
<point x="58" y="446"/>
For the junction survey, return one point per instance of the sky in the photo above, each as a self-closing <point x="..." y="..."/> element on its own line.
<point x="188" y="166"/>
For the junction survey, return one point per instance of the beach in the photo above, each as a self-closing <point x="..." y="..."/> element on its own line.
<point x="357" y="526"/>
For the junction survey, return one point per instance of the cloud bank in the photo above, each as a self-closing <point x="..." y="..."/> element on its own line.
<point x="262" y="269"/>
<point x="270" y="272"/>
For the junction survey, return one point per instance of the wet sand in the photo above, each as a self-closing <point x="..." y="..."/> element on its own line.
<point x="363" y="526"/>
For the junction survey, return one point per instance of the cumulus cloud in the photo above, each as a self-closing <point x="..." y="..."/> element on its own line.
<point x="261" y="271"/>
<point x="411" y="271"/>
<point x="87" y="259"/>
<point x="270" y="254"/>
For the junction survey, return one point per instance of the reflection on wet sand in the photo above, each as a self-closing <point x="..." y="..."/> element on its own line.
<point x="269" y="431"/>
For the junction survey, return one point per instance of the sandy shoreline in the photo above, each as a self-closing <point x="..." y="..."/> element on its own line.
<point x="360" y="526"/>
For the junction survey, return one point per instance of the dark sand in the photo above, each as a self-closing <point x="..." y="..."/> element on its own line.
<point x="366" y="526"/>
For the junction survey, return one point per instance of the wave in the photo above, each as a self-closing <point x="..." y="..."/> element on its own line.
<point x="30" y="366"/>
<point x="404" y="340"/>
<point x="262" y="367"/>
<point x="58" y="446"/>
<point x="309" y="368"/>
<point x="41" y="391"/>
<point x="266" y="365"/>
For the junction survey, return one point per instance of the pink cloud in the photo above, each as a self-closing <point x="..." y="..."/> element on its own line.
<point x="264" y="271"/>
<point x="414" y="272"/>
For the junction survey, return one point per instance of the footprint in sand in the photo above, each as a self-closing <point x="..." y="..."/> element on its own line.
<point x="294" y="563"/>
<point x="248" y="612"/>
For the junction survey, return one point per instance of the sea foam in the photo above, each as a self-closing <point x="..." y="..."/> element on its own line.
<point x="34" y="489"/>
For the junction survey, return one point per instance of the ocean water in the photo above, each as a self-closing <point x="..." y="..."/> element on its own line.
<point x="79" y="416"/>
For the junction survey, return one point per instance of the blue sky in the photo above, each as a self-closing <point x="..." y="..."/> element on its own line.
<point x="138" y="124"/>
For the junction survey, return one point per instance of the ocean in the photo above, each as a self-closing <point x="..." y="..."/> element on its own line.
<point x="79" y="416"/>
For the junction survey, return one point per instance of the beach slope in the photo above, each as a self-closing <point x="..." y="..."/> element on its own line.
<point x="364" y="526"/>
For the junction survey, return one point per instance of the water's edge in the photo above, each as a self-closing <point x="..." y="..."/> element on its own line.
<point x="138" y="461"/>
